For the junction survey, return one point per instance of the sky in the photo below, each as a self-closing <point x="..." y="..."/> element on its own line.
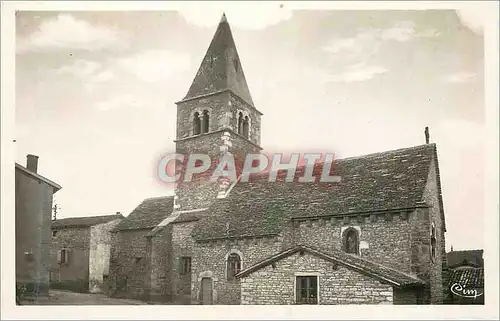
<point x="96" y="93"/>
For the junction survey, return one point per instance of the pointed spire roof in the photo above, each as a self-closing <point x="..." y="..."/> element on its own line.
<point x="221" y="67"/>
<point x="223" y="18"/>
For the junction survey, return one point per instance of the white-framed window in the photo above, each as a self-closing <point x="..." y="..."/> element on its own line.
<point x="306" y="289"/>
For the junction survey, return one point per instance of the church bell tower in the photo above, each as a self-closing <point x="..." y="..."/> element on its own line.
<point x="216" y="117"/>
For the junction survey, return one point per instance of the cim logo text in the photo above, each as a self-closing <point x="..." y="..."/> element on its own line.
<point x="460" y="290"/>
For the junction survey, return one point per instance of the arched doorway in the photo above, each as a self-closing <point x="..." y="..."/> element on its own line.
<point x="206" y="291"/>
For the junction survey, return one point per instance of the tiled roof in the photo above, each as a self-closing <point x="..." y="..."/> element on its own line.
<point x="376" y="182"/>
<point x="177" y="217"/>
<point x="148" y="214"/>
<point x="469" y="278"/>
<point x="376" y="270"/>
<point x="84" y="221"/>
<point x="221" y="68"/>
<point x="466" y="257"/>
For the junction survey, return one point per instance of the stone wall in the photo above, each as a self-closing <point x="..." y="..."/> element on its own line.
<point x="33" y="235"/>
<point x="384" y="237"/>
<point x="276" y="285"/>
<point x="224" y="109"/>
<point x="129" y="266"/>
<point x="436" y="263"/>
<point x="161" y="267"/>
<point x="210" y="259"/>
<point x="100" y="249"/>
<point x="200" y="192"/>
<point x="405" y="296"/>
<point x="182" y="246"/>
<point x="237" y="106"/>
<point x="216" y="104"/>
<point x="74" y="273"/>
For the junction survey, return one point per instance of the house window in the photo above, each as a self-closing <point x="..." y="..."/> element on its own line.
<point x="54" y="276"/>
<point x="351" y="241"/>
<point x="233" y="265"/>
<point x="29" y="256"/>
<point x="196" y="124"/>
<point x="62" y="256"/>
<point x="206" y="122"/>
<point x="433" y="242"/>
<point x="185" y="265"/>
<point x="307" y="290"/>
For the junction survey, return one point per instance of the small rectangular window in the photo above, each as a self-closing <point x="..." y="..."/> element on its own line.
<point x="63" y="256"/>
<point x="307" y="290"/>
<point x="185" y="265"/>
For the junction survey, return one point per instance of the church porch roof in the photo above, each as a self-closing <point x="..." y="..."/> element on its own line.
<point x="383" y="273"/>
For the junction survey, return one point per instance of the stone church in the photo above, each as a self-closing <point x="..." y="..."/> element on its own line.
<point x="375" y="237"/>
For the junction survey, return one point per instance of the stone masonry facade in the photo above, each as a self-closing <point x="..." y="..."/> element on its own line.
<point x="99" y="256"/>
<point x="438" y="262"/>
<point x="87" y="257"/>
<point x="73" y="274"/>
<point x="221" y="139"/>
<point x="211" y="259"/>
<point x="129" y="266"/>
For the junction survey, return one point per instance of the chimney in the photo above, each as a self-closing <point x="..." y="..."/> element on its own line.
<point x="32" y="163"/>
<point x="118" y="213"/>
<point x="427" y="135"/>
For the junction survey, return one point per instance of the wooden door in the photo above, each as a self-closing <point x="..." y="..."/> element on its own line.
<point x="206" y="291"/>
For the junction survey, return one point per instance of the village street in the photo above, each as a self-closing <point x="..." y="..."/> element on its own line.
<point x="60" y="297"/>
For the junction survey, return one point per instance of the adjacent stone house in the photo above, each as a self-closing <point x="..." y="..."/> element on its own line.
<point x="80" y="253"/>
<point x="34" y="194"/>
<point x="466" y="277"/>
<point x="377" y="236"/>
<point x="458" y="260"/>
<point x="303" y="275"/>
<point x="131" y="252"/>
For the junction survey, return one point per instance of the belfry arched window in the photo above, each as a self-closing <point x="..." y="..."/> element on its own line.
<point x="206" y="122"/>
<point x="196" y="124"/>
<point x="240" y="123"/>
<point x="350" y="240"/>
<point x="233" y="265"/>
<point x="246" y="127"/>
